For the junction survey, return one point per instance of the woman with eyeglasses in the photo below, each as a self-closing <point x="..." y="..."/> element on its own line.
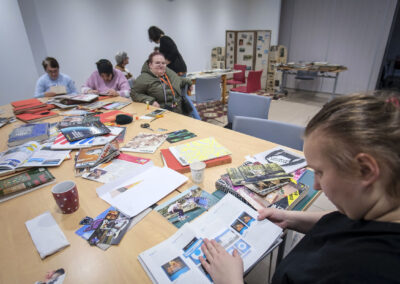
<point x="159" y="86"/>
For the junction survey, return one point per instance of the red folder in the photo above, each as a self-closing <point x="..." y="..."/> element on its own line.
<point x="110" y="116"/>
<point x="173" y="163"/>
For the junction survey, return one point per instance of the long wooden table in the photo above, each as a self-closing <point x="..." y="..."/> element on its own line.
<point x="20" y="262"/>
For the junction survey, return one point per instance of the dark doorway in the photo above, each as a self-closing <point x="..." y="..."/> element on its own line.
<point x="389" y="78"/>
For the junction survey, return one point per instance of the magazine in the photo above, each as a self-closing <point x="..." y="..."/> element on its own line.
<point x="91" y="157"/>
<point x="134" y="193"/>
<point x="25" y="182"/>
<point x="30" y="154"/>
<point x="230" y="222"/>
<point x="62" y="143"/>
<point x="121" y="166"/>
<point x="288" y="160"/>
<point x="84" y="130"/>
<point x="69" y="121"/>
<point x="199" y="150"/>
<point x="186" y="206"/>
<point x="144" y="143"/>
<point x="179" y="135"/>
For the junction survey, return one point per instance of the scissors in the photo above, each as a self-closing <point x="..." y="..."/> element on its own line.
<point x="146" y="125"/>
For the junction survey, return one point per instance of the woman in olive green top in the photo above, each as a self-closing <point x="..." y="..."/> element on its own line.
<point x="158" y="85"/>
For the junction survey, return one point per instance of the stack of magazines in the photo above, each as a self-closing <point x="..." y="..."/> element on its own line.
<point x="262" y="185"/>
<point x="88" y="158"/>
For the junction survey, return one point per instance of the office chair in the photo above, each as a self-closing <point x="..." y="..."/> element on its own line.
<point x="253" y="83"/>
<point x="238" y="78"/>
<point x="207" y="90"/>
<point x="249" y="105"/>
<point x="282" y="133"/>
<point x="194" y="113"/>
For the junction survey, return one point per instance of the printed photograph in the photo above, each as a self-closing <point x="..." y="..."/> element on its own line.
<point x="239" y="227"/>
<point x="246" y="218"/>
<point x="175" y="268"/>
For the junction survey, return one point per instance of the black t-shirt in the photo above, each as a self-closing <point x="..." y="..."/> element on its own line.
<point x="170" y="51"/>
<point x="340" y="250"/>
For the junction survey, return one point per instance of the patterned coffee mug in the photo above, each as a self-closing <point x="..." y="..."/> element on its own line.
<point x="66" y="196"/>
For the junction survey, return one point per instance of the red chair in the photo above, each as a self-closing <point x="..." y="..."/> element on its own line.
<point x="238" y="78"/>
<point x="253" y="83"/>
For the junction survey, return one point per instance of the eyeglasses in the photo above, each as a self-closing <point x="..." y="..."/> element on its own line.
<point x="159" y="63"/>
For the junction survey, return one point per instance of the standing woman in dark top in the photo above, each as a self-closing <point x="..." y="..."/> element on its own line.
<point x="352" y="144"/>
<point x="169" y="49"/>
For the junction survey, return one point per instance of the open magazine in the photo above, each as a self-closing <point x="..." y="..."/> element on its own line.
<point x="230" y="222"/>
<point x="30" y="154"/>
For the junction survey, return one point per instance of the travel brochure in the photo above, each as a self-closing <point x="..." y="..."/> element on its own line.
<point x="230" y="222"/>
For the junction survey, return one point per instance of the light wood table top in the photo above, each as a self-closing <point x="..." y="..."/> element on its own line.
<point x="20" y="262"/>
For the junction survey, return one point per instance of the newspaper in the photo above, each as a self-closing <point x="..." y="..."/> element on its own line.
<point x="230" y="222"/>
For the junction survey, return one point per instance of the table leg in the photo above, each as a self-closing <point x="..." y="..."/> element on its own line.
<point x="334" y="86"/>
<point x="223" y="94"/>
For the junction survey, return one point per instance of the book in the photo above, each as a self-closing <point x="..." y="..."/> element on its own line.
<point x="288" y="160"/>
<point x="171" y="162"/>
<point x="30" y="154"/>
<point x="61" y="142"/>
<point x="179" y="135"/>
<point x="134" y="193"/>
<point x="288" y="195"/>
<point x="84" y="130"/>
<point x="33" y="117"/>
<point x="116" y="105"/>
<point x="28" y="132"/>
<point x="186" y="206"/>
<point x="199" y="150"/>
<point x="123" y="165"/>
<point x="144" y="143"/>
<point x="59" y="90"/>
<point x="24" y="103"/>
<point x="92" y="156"/>
<point x="230" y="222"/>
<point x="25" y="182"/>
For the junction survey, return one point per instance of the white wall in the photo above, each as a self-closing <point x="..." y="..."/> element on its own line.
<point x="352" y="33"/>
<point x="18" y="73"/>
<point x="80" y="32"/>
